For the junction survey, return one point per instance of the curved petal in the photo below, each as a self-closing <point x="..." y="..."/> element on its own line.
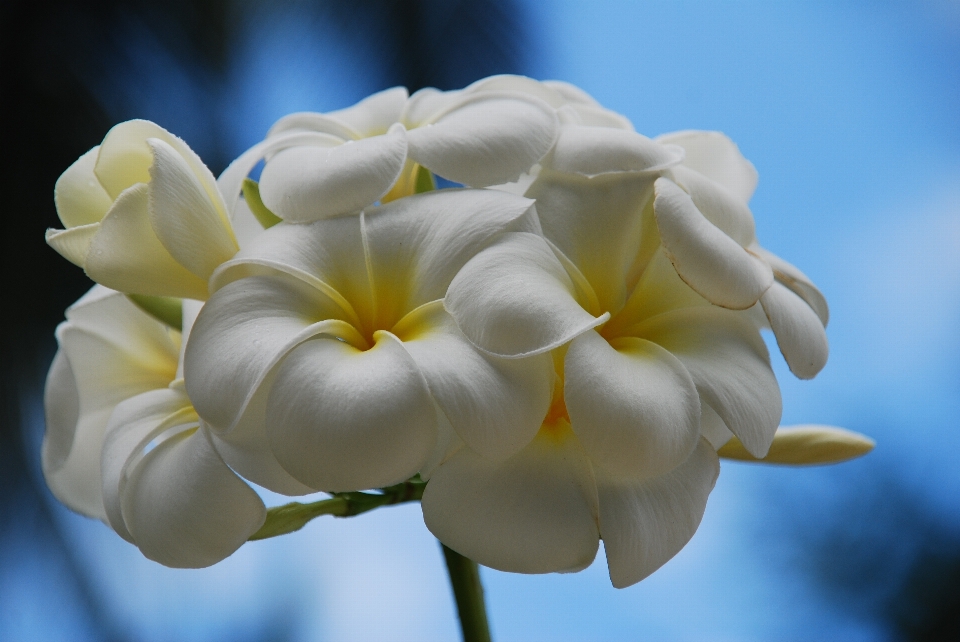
<point x="712" y="263"/>
<point x="799" y="332"/>
<point x="185" y="508"/>
<point x="375" y="114"/>
<point x="416" y="245"/>
<point x="192" y="227"/>
<point x="230" y="182"/>
<point x="644" y="524"/>
<point x="571" y="93"/>
<point x="729" y="362"/>
<point x="126" y="254"/>
<point x="426" y="105"/>
<point x="486" y="138"/>
<point x="515" y="299"/>
<point x="718" y="205"/>
<point x="801" y="285"/>
<point x="135" y="423"/>
<point x="712" y="427"/>
<point x="591" y="151"/>
<point x="535" y="512"/>
<point x="240" y="333"/>
<point x="597" y="224"/>
<point x="79" y="197"/>
<point x="304" y="184"/>
<point x="633" y="405"/>
<point x="718" y="158"/>
<point x="807" y="445"/>
<point x="308" y="121"/>
<point x="495" y="405"/>
<point x="342" y="419"/>
<point x="114" y="352"/>
<point x="73" y="244"/>
<point x="524" y="85"/>
<point x="600" y="117"/>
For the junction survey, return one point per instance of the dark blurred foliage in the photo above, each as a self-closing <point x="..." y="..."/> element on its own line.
<point x="881" y="553"/>
<point x="65" y="72"/>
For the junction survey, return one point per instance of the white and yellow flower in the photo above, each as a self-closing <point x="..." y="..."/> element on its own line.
<point x="124" y="445"/>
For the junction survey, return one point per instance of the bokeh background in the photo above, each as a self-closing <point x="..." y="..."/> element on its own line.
<point x="851" y="113"/>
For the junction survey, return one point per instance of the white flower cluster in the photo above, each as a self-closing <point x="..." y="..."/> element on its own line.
<point x="559" y="347"/>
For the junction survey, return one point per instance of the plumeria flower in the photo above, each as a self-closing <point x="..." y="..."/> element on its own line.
<point x="719" y="182"/>
<point x="324" y="359"/>
<point x="647" y="367"/>
<point x="124" y="445"/>
<point x="375" y="149"/>
<point x="143" y="214"/>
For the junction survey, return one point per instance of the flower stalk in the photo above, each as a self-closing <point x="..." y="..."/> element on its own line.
<point x="468" y="592"/>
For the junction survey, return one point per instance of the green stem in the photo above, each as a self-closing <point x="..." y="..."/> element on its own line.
<point x="467" y="590"/>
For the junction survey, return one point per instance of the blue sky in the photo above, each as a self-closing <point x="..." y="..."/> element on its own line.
<point x="850" y="113"/>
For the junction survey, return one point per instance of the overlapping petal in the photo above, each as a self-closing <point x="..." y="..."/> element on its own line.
<point x="718" y="158"/>
<point x="645" y="523"/>
<point x="593" y="150"/>
<point x="535" y="512"/>
<point x="79" y="197"/>
<point x="799" y="331"/>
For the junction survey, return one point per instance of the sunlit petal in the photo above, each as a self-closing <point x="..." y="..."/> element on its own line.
<point x="78" y="194"/>
<point x="799" y="331"/>
<point x="718" y="158"/>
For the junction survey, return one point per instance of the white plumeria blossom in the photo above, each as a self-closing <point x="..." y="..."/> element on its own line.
<point x="324" y="360"/>
<point x="143" y="214"/>
<point x="631" y="287"/>
<point x="124" y="445"/>
<point x="370" y="151"/>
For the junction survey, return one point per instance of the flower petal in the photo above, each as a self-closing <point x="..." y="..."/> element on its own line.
<point x="114" y="352"/>
<point x="416" y="245"/>
<point x="515" y="299"/>
<point x="486" y="138"/>
<point x="807" y="445"/>
<point x="591" y="151"/>
<point x="342" y="419"/>
<point x="712" y="263"/>
<point x="126" y="254"/>
<point x="375" y="114"/>
<point x="644" y="524"/>
<point x="495" y="405"/>
<point x="242" y="331"/>
<point x="307" y="183"/>
<point x="728" y="361"/>
<point x="426" y="105"/>
<point x="185" y="508"/>
<point x="718" y="205"/>
<point x="596" y="223"/>
<point x="799" y="332"/>
<point x="134" y="424"/>
<point x="190" y="222"/>
<point x="633" y="405"/>
<point x="718" y="158"/>
<point x="797" y="281"/>
<point x="712" y="427"/>
<point x="535" y="512"/>
<point x="80" y="198"/>
<point x="74" y="243"/>
<point x="524" y="85"/>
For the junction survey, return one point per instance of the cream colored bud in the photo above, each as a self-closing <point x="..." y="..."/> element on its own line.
<point x="805" y="445"/>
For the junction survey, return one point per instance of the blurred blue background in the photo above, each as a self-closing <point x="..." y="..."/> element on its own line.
<point x="851" y="113"/>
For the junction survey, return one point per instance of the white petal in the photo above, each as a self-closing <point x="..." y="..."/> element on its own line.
<point x="80" y="198"/>
<point x="342" y="419"/>
<point x="729" y="362"/>
<point x="486" y="138"/>
<point x="633" y="405"/>
<point x="416" y="245"/>
<point x="134" y="424"/>
<point x="535" y="512"/>
<point x="126" y="254"/>
<point x="590" y="151"/>
<point x="524" y="85"/>
<point x="306" y="121"/>
<point x="797" y="281"/>
<point x="515" y="299"/>
<point x="718" y="158"/>
<point x="426" y="105"/>
<point x="600" y="117"/>
<point x="185" y="508"/>
<point x="230" y="181"/>
<point x="712" y="263"/>
<point x="644" y="524"/>
<point x="571" y="93"/>
<point x="597" y="224"/>
<point x="718" y="205"/>
<point x="375" y="114"/>
<point x="799" y="332"/>
<point x="807" y="445"/>
<point x="242" y="331"/>
<point x="495" y="405"/>
<point x="189" y="221"/>
<point x="304" y="184"/>
<point x="114" y="352"/>
<point x="712" y="427"/>
<point x="73" y="244"/>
